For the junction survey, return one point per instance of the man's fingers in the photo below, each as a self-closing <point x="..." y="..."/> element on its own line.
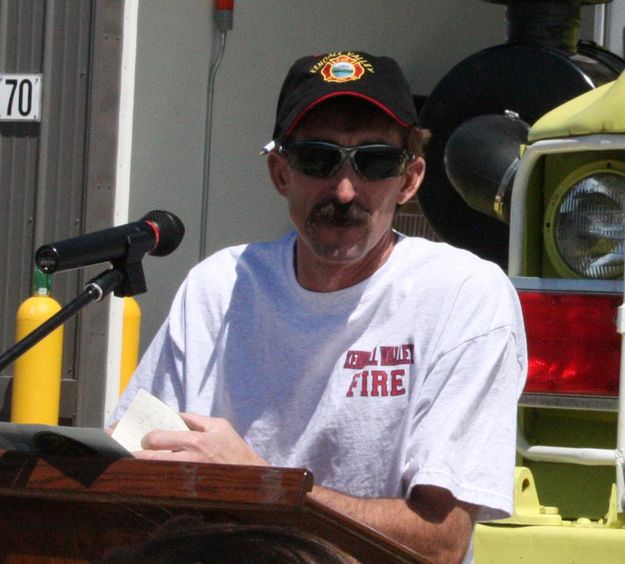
<point x="193" y="421"/>
<point x="178" y="456"/>
<point x="212" y="439"/>
<point x="164" y="440"/>
<point x="197" y="422"/>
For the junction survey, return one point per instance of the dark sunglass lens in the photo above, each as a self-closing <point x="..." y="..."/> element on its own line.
<point x="377" y="163"/>
<point x="313" y="160"/>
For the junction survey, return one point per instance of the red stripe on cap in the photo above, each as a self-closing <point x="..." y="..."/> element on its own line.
<point x="384" y="108"/>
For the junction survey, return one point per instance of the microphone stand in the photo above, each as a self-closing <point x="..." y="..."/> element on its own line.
<point x="95" y="290"/>
<point x="126" y="278"/>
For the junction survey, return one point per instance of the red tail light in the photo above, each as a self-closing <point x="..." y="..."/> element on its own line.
<point x="573" y="345"/>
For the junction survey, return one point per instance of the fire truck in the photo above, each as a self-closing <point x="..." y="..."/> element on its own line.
<point x="566" y="226"/>
<point x="544" y="196"/>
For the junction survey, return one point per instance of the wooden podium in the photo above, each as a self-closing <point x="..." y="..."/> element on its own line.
<point x="74" y="509"/>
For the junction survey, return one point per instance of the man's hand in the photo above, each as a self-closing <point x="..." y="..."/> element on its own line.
<point x="210" y="439"/>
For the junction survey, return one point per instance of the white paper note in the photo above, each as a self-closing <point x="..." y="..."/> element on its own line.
<point x="145" y="414"/>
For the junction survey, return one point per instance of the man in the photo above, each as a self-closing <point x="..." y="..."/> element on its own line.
<point x="389" y="366"/>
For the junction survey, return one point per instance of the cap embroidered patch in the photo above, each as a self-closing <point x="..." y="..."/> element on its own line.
<point x="342" y="68"/>
<point x="315" y="79"/>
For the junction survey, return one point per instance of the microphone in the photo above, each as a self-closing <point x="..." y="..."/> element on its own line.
<point x="157" y="233"/>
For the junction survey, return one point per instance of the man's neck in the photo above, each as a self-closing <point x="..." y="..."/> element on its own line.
<point x="320" y="275"/>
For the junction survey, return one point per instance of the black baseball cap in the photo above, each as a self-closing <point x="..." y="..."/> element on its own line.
<point x="314" y="79"/>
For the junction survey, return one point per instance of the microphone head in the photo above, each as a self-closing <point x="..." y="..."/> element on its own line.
<point x="170" y="231"/>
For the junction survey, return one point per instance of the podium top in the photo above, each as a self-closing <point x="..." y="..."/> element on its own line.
<point x="169" y="483"/>
<point x="82" y="506"/>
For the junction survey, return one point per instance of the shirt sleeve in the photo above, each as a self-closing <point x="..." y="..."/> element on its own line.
<point x="463" y="432"/>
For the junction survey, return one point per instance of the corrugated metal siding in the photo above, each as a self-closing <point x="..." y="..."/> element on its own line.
<point x="47" y="180"/>
<point x="60" y="195"/>
<point x="21" y="25"/>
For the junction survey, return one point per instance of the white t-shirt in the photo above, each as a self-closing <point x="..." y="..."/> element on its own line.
<point x="409" y="377"/>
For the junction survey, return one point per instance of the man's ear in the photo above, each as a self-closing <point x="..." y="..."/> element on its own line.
<point x="277" y="165"/>
<point x="413" y="177"/>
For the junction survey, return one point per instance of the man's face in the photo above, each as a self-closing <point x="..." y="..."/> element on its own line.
<point x="344" y="218"/>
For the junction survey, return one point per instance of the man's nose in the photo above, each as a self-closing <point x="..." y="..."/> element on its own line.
<point x="346" y="179"/>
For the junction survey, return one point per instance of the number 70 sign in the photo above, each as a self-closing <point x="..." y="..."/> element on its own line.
<point x="20" y="97"/>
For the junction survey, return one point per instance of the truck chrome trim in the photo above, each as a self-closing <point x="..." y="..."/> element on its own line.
<point x="562" y="401"/>
<point x="573" y="285"/>
<point x="584" y="456"/>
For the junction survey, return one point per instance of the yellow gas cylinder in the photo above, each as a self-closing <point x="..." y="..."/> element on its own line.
<point x="37" y="373"/>
<point x="131" y="333"/>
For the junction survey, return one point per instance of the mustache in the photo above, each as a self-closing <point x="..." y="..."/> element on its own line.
<point x="334" y="213"/>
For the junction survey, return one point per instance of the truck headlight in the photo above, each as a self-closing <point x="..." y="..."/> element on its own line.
<point x="584" y="227"/>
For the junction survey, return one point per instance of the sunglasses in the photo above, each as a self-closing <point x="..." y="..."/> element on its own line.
<point x="321" y="160"/>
